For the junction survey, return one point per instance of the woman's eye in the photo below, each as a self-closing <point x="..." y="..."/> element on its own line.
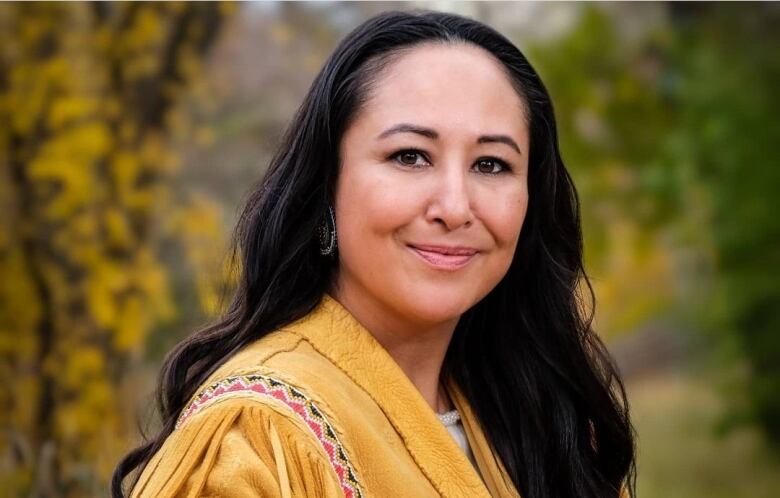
<point x="490" y="166"/>
<point x="408" y="157"/>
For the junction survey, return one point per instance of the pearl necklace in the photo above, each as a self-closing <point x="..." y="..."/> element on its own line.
<point x="449" y="418"/>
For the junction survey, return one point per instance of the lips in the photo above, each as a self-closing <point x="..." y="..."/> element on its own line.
<point x="446" y="250"/>
<point x="445" y="257"/>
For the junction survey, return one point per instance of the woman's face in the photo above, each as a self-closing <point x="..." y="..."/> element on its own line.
<point x="432" y="190"/>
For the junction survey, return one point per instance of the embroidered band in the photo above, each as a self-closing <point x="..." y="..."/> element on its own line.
<point x="299" y="403"/>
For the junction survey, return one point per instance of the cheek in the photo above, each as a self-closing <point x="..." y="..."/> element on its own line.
<point x="370" y="205"/>
<point x="506" y="227"/>
<point x="503" y="216"/>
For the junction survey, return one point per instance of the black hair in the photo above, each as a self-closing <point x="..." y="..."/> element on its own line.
<point x="540" y="381"/>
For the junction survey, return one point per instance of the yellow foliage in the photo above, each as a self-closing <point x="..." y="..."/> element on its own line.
<point x="130" y="324"/>
<point x="83" y="363"/>
<point x="104" y="281"/>
<point x="636" y="281"/>
<point x="155" y="151"/>
<point x="125" y="169"/>
<point x="188" y="62"/>
<point x="141" y="66"/>
<point x="21" y="308"/>
<point x="82" y="282"/>
<point x="70" y="108"/>
<point x="118" y="232"/>
<point x="198" y="224"/>
<point x="69" y="159"/>
<point x="146" y="34"/>
<point x="112" y="109"/>
<point x="151" y="278"/>
<point x="27" y="97"/>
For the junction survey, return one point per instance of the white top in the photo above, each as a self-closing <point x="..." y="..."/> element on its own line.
<point x="452" y="423"/>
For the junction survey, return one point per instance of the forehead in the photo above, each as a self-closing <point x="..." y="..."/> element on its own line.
<point x="460" y="88"/>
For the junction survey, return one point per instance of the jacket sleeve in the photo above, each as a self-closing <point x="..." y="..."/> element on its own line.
<point x="239" y="448"/>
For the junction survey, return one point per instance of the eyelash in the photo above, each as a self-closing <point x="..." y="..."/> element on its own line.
<point x="503" y="164"/>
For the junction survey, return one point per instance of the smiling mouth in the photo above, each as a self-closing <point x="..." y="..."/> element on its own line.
<point x="445" y="258"/>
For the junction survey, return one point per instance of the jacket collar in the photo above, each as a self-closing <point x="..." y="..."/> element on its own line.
<point x="370" y="366"/>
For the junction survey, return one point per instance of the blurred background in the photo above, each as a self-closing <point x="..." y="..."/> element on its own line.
<point x="130" y="134"/>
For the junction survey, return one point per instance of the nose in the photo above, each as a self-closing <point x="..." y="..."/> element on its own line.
<point x="450" y="204"/>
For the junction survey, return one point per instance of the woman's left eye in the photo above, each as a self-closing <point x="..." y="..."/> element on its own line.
<point x="491" y="166"/>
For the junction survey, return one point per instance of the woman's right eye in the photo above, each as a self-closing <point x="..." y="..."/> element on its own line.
<point x="408" y="157"/>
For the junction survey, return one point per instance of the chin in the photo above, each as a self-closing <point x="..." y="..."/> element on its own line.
<point x="432" y="306"/>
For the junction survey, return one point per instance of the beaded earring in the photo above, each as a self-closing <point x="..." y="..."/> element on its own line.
<point x="327" y="233"/>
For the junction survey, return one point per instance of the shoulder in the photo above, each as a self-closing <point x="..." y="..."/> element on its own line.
<point x="248" y="435"/>
<point x="280" y="351"/>
<point x="257" y="426"/>
<point x="286" y="372"/>
<point x="258" y="353"/>
<point x="276" y="394"/>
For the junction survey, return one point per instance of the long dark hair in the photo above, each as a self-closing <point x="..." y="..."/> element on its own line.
<point x="539" y="379"/>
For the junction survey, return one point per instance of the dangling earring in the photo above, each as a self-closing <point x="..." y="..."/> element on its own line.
<point x="327" y="232"/>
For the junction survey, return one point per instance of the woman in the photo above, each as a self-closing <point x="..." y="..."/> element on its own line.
<point x="407" y="322"/>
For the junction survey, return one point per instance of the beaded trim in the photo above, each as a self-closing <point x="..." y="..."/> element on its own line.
<point x="300" y="404"/>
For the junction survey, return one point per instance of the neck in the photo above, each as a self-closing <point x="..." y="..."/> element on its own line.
<point x="417" y="348"/>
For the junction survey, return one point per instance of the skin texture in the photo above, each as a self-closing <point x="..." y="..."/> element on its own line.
<point x="444" y="194"/>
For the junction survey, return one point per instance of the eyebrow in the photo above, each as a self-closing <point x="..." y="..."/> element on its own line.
<point x="432" y="134"/>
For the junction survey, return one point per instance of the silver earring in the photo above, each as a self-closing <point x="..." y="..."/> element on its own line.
<point x="327" y="232"/>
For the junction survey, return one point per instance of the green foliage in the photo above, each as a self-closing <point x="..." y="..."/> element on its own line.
<point x="672" y="140"/>
<point x="728" y="72"/>
<point x="612" y="120"/>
